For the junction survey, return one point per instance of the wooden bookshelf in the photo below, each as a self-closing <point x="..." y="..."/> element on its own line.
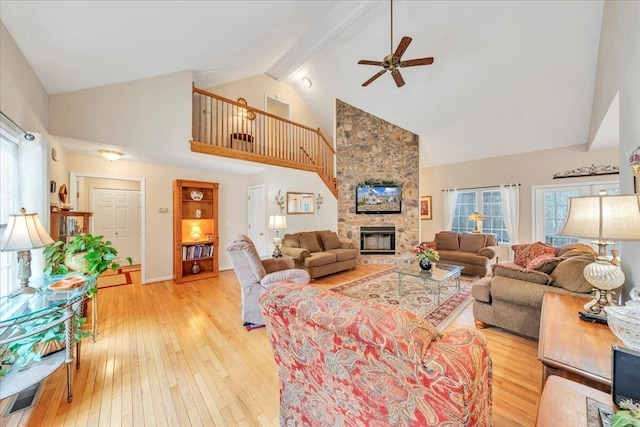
<point x="195" y="230"/>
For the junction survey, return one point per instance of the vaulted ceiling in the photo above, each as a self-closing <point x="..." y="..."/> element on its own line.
<point x="508" y="77"/>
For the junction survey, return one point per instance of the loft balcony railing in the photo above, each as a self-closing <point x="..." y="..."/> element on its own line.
<point x="224" y="127"/>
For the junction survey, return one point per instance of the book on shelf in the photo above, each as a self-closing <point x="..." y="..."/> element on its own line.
<point x="196" y="251"/>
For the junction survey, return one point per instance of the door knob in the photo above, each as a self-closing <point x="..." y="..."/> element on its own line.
<point x="262" y="234"/>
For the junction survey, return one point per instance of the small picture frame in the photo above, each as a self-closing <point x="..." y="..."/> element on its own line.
<point x="425" y="207"/>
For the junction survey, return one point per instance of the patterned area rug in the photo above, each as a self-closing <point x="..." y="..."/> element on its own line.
<point x="382" y="288"/>
<point x="117" y="278"/>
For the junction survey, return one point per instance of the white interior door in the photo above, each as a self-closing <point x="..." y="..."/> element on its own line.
<point x="116" y="216"/>
<point x="257" y="218"/>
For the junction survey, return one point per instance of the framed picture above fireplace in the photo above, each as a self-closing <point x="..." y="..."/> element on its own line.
<point x="378" y="198"/>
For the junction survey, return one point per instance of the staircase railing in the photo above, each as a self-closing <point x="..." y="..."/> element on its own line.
<point x="232" y="129"/>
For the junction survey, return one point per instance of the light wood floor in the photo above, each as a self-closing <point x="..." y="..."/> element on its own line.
<point x="177" y="355"/>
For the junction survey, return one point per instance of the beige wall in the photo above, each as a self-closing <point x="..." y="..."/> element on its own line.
<point x="232" y="215"/>
<point x="148" y="114"/>
<point x="528" y="169"/>
<point x="619" y="70"/>
<point x="255" y="89"/>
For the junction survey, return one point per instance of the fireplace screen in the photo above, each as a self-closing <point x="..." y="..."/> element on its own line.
<point x="377" y="240"/>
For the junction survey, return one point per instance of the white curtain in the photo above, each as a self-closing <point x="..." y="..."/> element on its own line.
<point x="510" y="196"/>
<point x="450" y="197"/>
<point x="34" y="177"/>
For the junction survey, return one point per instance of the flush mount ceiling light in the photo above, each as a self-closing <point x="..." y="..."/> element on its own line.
<point x="306" y="82"/>
<point x="110" y="154"/>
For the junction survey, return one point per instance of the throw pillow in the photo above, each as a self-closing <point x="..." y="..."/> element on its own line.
<point x="515" y="272"/>
<point x="472" y="242"/>
<point x="309" y="241"/>
<point x="291" y="241"/>
<point x="534" y="250"/>
<point x="569" y="274"/>
<point x="545" y="263"/>
<point x="577" y="247"/>
<point x="330" y="241"/>
<point x="447" y="241"/>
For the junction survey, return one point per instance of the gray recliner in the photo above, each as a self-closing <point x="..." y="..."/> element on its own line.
<point x="256" y="276"/>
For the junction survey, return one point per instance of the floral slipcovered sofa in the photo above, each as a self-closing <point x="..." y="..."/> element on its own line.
<point x="347" y="362"/>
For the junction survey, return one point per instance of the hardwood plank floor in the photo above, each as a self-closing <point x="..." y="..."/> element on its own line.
<point x="177" y="355"/>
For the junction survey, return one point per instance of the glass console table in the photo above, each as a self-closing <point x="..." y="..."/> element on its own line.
<point x="21" y="309"/>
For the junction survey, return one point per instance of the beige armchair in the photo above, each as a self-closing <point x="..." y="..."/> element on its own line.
<point x="256" y="276"/>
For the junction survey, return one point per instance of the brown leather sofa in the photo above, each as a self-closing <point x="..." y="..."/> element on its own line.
<point x="473" y="251"/>
<point x="320" y="252"/>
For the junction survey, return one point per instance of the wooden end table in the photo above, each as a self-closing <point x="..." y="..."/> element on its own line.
<point x="564" y="402"/>
<point x="572" y="348"/>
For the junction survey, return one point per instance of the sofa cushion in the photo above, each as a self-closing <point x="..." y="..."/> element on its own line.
<point x="519" y="293"/>
<point x="580" y="252"/>
<point x="472" y="242"/>
<point x="330" y="241"/>
<point x="545" y="263"/>
<point x="344" y="254"/>
<point x="447" y="241"/>
<point x="309" y="241"/>
<point x="517" y="272"/>
<point x="569" y="274"/>
<point x="291" y="240"/>
<point x="462" y="257"/>
<point x="318" y="259"/>
<point x="525" y="253"/>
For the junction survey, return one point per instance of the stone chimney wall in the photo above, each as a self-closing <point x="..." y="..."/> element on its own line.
<point x="370" y="148"/>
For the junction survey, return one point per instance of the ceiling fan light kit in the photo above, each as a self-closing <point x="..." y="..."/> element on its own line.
<point x="393" y="61"/>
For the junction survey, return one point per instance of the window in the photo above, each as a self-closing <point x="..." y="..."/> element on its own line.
<point x="489" y="204"/>
<point x="9" y="198"/>
<point x="551" y="204"/>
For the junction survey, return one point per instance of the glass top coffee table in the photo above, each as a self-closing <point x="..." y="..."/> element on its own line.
<point x="440" y="276"/>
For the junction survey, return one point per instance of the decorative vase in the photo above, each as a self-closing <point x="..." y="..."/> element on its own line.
<point x="75" y="262"/>
<point x="195" y="268"/>
<point x="425" y="264"/>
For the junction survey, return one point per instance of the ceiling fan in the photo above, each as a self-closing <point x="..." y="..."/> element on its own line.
<point x="393" y="61"/>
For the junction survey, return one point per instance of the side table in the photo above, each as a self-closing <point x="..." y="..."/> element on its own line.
<point x="564" y="403"/>
<point x="572" y="348"/>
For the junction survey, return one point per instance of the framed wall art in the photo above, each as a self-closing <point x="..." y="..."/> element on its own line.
<point x="425" y="207"/>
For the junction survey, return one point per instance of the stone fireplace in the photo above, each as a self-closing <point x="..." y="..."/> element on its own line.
<point x="377" y="240"/>
<point x="370" y="148"/>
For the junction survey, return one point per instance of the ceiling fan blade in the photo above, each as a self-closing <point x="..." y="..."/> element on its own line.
<point x="378" y="74"/>
<point x="398" y="78"/>
<point x="402" y="46"/>
<point x="367" y="62"/>
<point x="414" y="62"/>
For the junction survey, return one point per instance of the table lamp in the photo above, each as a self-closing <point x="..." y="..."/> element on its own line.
<point x="24" y="232"/>
<point x="603" y="218"/>
<point x="476" y="217"/>
<point x="277" y="222"/>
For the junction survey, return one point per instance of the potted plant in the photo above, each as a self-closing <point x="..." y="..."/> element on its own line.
<point x="93" y="255"/>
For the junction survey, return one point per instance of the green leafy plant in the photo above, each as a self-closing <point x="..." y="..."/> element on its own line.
<point x="380" y="182"/>
<point x="628" y="417"/>
<point x="100" y="256"/>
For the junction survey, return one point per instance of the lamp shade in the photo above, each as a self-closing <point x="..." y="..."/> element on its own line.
<point x="277" y="222"/>
<point x="196" y="232"/>
<point x="475" y="217"/>
<point x="603" y="217"/>
<point x="24" y="231"/>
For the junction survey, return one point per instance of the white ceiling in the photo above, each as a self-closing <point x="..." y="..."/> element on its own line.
<point x="508" y="77"/>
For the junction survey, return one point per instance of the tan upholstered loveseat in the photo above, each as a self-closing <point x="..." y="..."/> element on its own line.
<point x="473" y="251"/>
<point x="512" y="297"/>
<point x="320" y="252"/>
